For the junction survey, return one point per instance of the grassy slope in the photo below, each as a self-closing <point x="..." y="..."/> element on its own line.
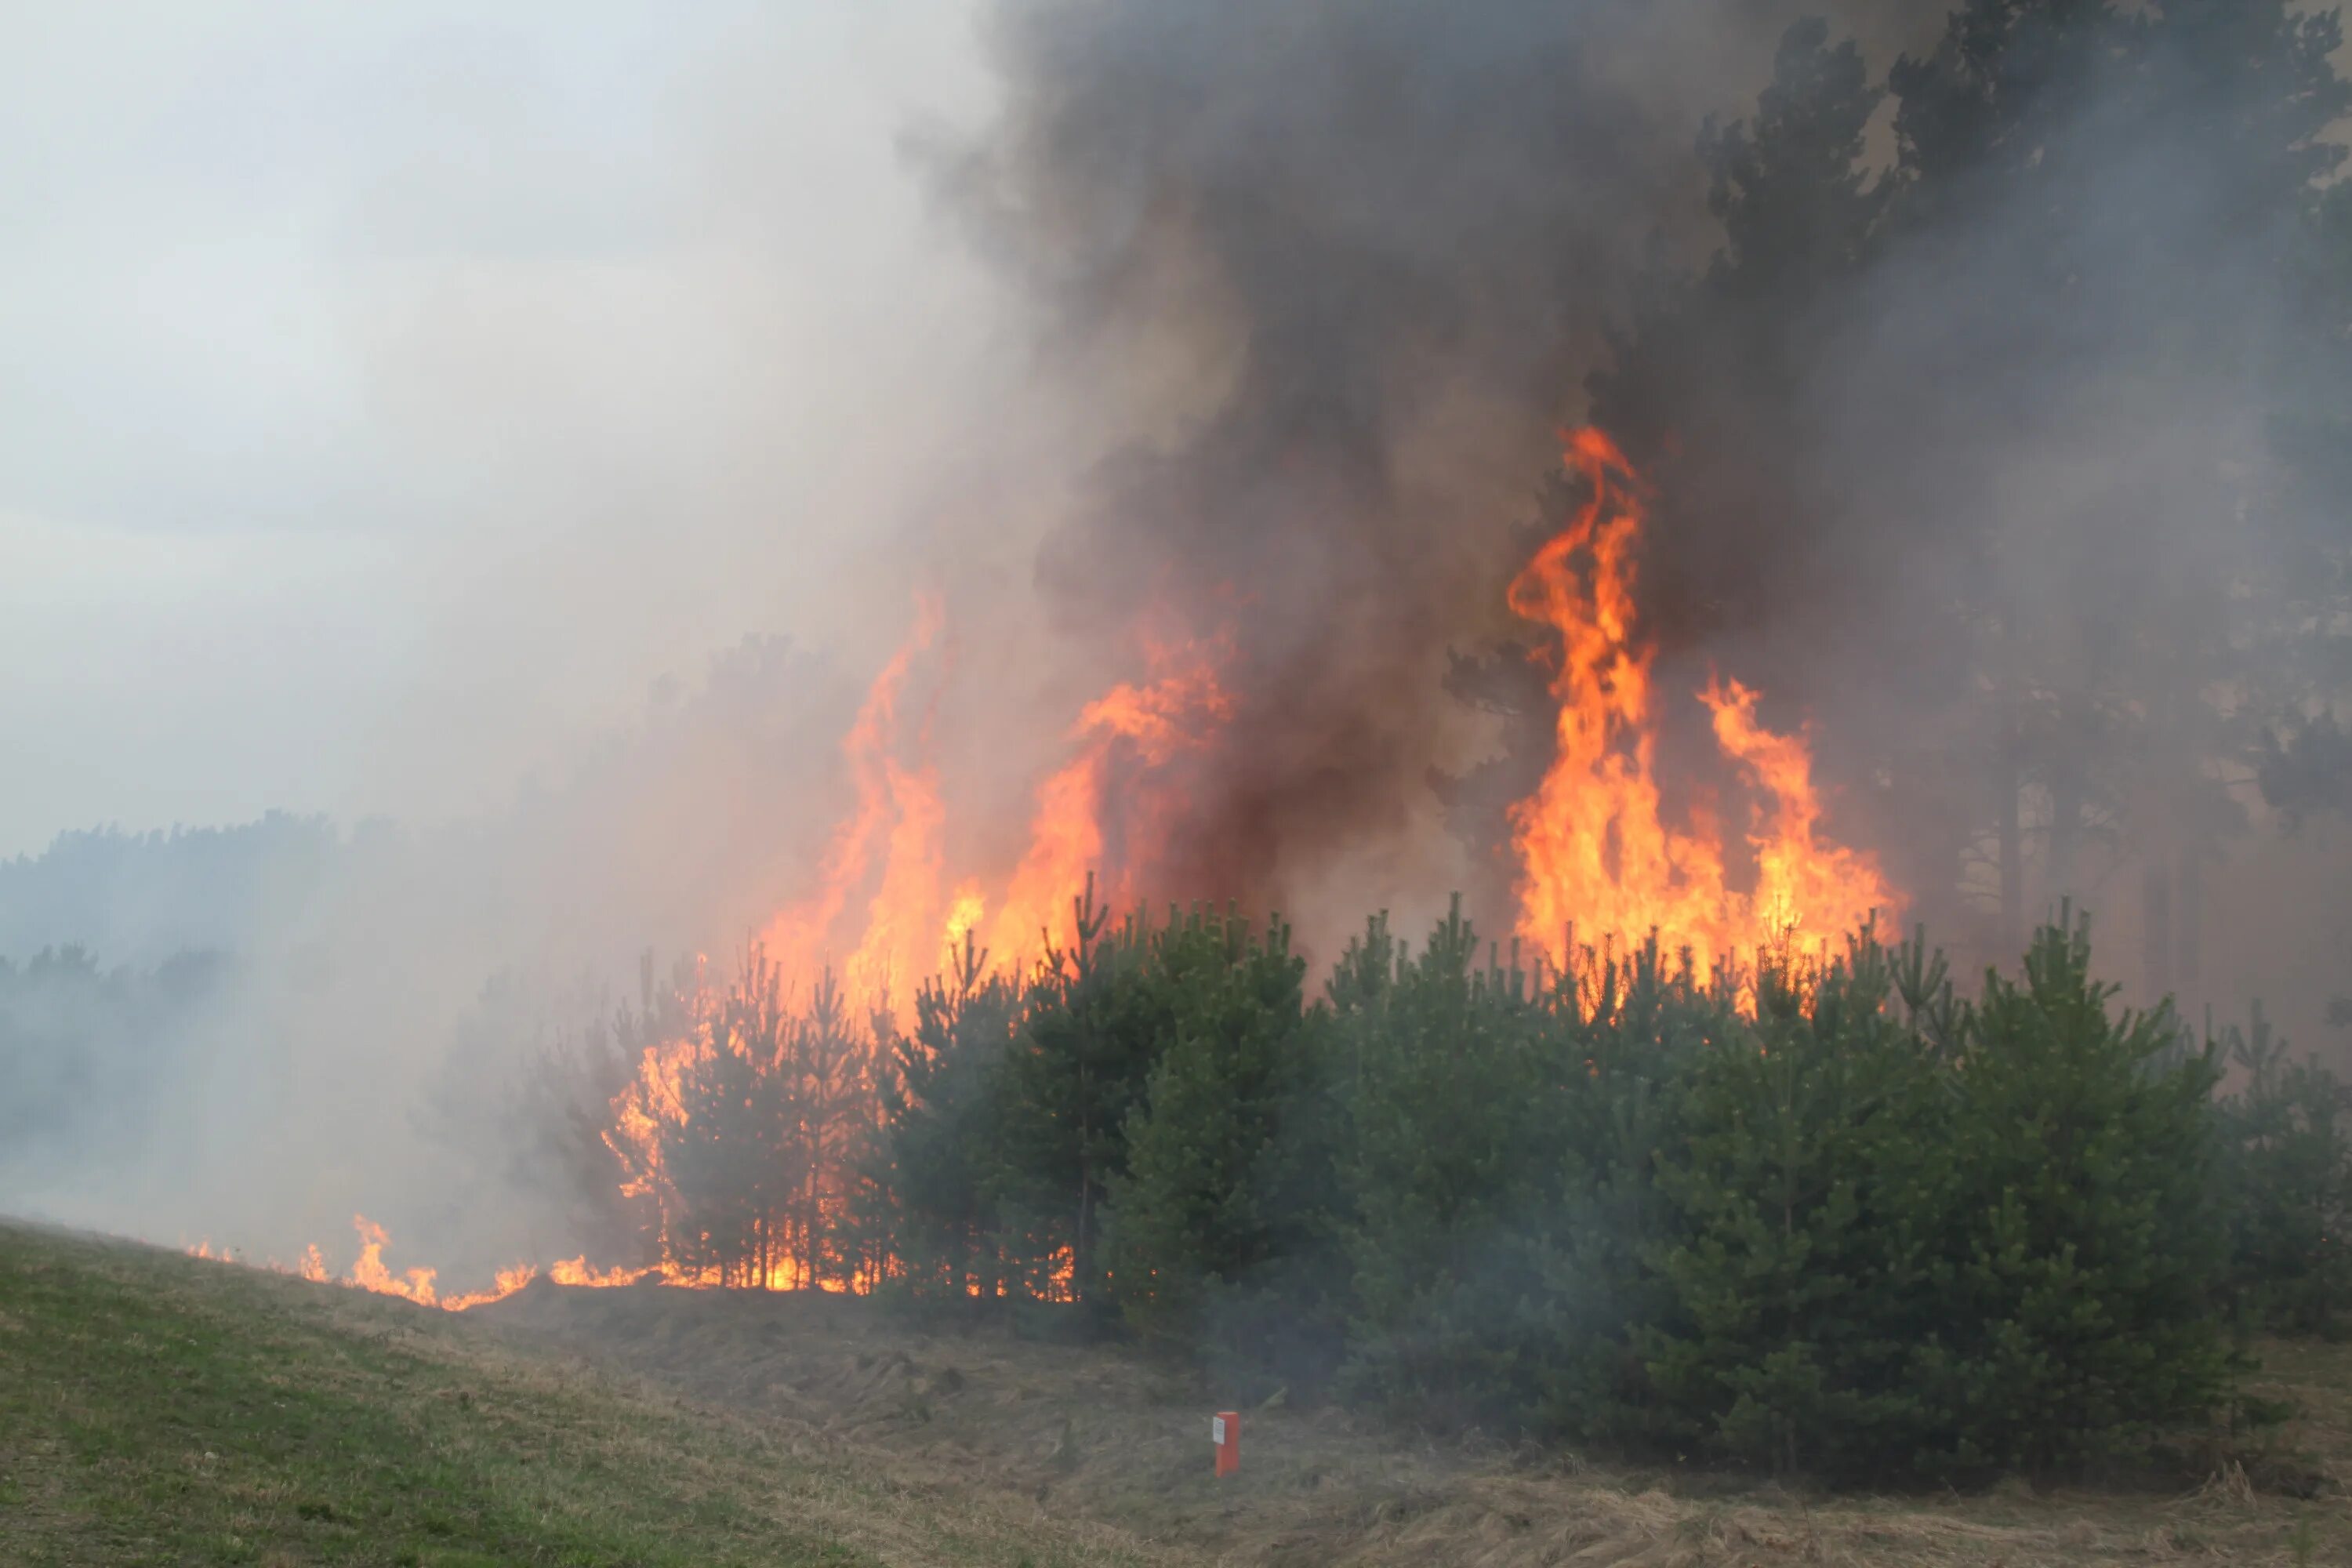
<point x="158" y="1409"/>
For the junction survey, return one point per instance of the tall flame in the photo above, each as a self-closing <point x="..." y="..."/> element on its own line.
<point x="906" y="930"/>
<point x="1596" y="854"/>
<point x="1179" y="711"/>
<point x="910" y="924"/>
<point x="893" y="801"/>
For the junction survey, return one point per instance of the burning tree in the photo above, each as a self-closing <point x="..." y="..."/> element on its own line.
<point x="929" y="1216"/>
<point x="1594" y="845"/>
<point x="742" y="1134"/>
<point x="2024" y="449"/>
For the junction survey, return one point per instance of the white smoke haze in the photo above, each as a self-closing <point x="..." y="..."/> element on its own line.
<point x="410" y="413"/>
<point x="462" y="377"/>
<point x="512" y="443"/>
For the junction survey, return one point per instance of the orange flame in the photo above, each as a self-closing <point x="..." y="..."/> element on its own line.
<point x="578" y="1271"/>
<point x="910" y="931"/>
<point x="964" y="915"/>
<point x="910" y="927"/>
<point x="510" y="1280"/>
<point x="370" y="1274"/>
<point x="1179" y="711"/>
<point x="904" y="936"/>
<point x="797" y="938"/>
<point x="1595" y="853"/>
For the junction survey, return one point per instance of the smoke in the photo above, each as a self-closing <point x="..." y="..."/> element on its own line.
<point x="1332" y="274"/>
<point x="377" y="1000"/>
<point x="410" y="391"/>
<point x="1253" y="320"/>
<point x="407" y="397"/>
<point x="1987" y="506"/>
<point x="2002" y="502"/>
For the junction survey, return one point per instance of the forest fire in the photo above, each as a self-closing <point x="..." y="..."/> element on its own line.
<point x="790" y="1056"/>
<point x="914" y="918"/>
<point x="798" y="1046"/>
<point x="897" y="804"/>
<point x="793" y="1057"/>
<point x="1179" y="711"/>
<point x="1626" y="726"/>
<point x="1599" y="861"/>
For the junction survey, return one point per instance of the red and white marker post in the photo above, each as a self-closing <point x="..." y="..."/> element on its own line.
<point x="1225" y="1432"/>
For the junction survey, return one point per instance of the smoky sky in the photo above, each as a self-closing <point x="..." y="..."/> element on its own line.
<point x="1343" y="267"/>
<point x="392" y="393"/>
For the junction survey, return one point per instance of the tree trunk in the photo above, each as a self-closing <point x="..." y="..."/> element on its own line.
<point x="2155" y="933"/>
<point x="2011" y="833"/>
<point x="2065" y="830"/>
<point x="1082" y="1243"/>
<point x="2188" y="927"/>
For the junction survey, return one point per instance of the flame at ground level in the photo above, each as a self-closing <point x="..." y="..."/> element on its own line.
<point x="370" y="1272"/>
<point x="1053" y="1283"/>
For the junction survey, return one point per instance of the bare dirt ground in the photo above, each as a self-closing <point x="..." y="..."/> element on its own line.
<point x="1100" y="1438"/>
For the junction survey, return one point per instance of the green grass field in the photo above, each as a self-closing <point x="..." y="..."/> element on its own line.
<point x="155" y="1409"/>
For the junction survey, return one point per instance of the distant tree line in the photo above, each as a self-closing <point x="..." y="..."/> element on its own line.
<point x="87" y="1051"/>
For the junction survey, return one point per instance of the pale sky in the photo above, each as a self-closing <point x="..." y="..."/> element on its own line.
<point x="389" y="393"/>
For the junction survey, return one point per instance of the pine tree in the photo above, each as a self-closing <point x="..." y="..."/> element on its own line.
<point x="1200" y="1208"/>
<point x="1633" y="1027"/>
<point x="2286" y="1181"/>
<point x="2077" y="1295"/>
<point x="1074" y="1070"/>
<point x="1795" y="1251"/>
<point x="729" y="1180"/>
<point x="1454" y="1082"/>
<point x="822" y="1072"/>
<point x="931" y="1211"/>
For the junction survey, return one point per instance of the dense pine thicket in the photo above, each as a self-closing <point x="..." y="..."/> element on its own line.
<point x="1825" y="1214"/>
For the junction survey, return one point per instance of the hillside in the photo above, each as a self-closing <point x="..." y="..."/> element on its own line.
<point x="155" y="1408"/>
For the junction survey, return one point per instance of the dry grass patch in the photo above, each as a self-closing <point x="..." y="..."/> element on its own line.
<point x="1097" y="1438"/>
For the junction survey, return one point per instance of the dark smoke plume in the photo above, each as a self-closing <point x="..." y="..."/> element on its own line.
<point x="1380" y="245"/>
<point x="1973" y="349"/>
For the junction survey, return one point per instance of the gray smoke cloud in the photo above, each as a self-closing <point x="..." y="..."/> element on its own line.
<point x="1332" y="276"/>
<point x="2015" y="507"/>
<point x="1338" y="271"/>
